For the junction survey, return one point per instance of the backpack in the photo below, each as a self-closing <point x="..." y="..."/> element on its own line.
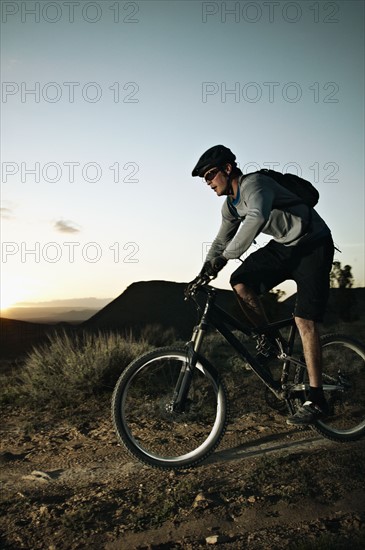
<point x="306" y="192"/>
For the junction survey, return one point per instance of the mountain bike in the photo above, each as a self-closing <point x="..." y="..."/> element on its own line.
<point x="170" y="406"/>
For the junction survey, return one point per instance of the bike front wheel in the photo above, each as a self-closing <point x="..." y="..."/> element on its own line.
<point x="343" y="360"/>
<point x="150" y="428"/>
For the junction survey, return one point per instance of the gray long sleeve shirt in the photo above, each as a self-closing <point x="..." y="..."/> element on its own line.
<point x="255" y="204"/>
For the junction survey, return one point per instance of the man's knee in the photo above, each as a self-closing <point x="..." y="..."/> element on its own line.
<point x="305" y="326"/>
<point x="243" y="291"/>
<point x="240" y="289"/>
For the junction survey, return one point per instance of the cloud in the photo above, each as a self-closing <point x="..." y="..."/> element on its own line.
<point x="66" y="226"/>
<point x="6" y="213"/>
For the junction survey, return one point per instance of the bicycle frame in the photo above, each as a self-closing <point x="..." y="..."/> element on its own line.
<point x="215" y="316"/>
<point x="171" y="405"/>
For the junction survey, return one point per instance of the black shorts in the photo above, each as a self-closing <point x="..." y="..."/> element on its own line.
<point x="309" y="265"/>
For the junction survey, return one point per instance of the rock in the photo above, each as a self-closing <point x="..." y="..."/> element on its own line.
<point x="216" y="539"/>
<point x="37" y="476"/>
<point x="199" y="499"/>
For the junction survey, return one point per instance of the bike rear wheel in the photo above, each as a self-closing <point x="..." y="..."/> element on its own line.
<point x="343" y="360"/>
<point x="145" y="422"/>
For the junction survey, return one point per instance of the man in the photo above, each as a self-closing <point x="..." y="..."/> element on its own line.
<point x="301" y="249"/>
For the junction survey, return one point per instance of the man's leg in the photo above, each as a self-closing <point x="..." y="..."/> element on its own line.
<point x="253" y="309"/>
<point x="309" y="335"/>
<point x="316" y="407"/>
<point x="261" y="271"/>
<point x="250" y="304"/>
<point x="312" y="277"/>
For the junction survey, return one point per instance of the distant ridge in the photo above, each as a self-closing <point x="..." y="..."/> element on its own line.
<point x="154" y="303"/>
<point x="162" y="303"/>
<point x="49" y="315"/>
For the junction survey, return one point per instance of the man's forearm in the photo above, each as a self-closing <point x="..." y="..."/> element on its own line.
<point x="250" y="228"/>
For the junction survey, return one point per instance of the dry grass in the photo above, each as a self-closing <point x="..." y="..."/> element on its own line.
<point x="70" y="368"/>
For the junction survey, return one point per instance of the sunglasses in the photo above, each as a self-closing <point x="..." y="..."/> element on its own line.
<point x="209" y="176"/>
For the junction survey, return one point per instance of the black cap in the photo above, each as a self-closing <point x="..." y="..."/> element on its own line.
<point x="215" y="156"/>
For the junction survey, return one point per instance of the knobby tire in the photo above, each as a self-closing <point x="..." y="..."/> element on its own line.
<point x="343" y="367"/>
<point x="153" y="434"/>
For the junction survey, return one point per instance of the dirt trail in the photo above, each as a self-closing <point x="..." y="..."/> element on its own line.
<point x="67" y="484"/>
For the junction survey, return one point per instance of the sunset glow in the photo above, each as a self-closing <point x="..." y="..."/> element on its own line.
<point x="14" y="290"/>
<point x="99" y="147"/>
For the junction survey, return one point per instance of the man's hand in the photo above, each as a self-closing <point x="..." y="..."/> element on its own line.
<point x="201" y="279"/>
<point x="214" y="266"/>
<point x="191" y="287"/>
<point x="209" y="271"/>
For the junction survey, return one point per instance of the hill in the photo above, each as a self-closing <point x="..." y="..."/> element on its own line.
<point x="162" y="304"/>
<point x="154" y="303"/>
<point x="51" y="315"/>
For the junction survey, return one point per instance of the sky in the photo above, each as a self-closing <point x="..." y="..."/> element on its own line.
<point x="106" y="107"/>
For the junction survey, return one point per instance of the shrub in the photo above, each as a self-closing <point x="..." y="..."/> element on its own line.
<point x="9" y="384"/>
<point x="73" y="367"/>
<point x="157" y="335"/>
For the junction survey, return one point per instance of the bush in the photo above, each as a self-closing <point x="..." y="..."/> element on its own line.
<point x="157" y="335"/>
<point x="73" y="367"/>
<point x="10" y="389"/>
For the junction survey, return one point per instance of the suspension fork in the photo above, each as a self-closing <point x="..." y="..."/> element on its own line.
<point x="186" y="373"/>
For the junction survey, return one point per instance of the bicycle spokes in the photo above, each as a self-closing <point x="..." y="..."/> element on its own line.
<point x="168" y="412"/>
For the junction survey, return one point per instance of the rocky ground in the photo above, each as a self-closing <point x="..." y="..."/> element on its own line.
<point x="67" y="484"/>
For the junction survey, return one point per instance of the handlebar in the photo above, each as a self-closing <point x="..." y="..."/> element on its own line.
<point x="199" y="281"/>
